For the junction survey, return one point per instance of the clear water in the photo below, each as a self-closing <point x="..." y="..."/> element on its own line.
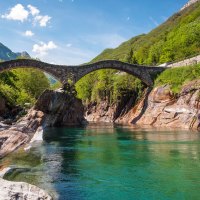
<point x="107" y="162"/>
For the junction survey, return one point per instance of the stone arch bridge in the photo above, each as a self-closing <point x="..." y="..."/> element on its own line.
<point x="64" y="73"/>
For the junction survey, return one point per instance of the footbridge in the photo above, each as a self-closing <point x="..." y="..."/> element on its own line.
<point x="64" y="73"/>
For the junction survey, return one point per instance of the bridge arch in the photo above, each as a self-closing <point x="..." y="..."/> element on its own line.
<point x="63" y="73"/>
<point x="28" y="63"/>
<point x="141" y="72"/>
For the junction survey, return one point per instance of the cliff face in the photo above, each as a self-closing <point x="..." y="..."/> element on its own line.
<point x="106" y="112"/>
<point x="162" y="108"/>
<point x="158" y="107"/>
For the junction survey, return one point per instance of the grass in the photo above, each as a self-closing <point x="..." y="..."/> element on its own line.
<point x="177" y="77"/>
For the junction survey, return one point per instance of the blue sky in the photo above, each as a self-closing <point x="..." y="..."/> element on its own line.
<point x="75" y="31"/>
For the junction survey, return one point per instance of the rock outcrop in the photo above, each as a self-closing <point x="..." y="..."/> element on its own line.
<point x="53" y="108"/>
<point x="10" y="140"/>
<point x="21" y="191"/>
<point x="106" y="112"/>
<point x="162" y="108"/>
<point x="60" y="108"/>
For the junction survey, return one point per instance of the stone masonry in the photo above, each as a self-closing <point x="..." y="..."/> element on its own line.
<point x="64" y="73"/>
<point x="186" y="62"/>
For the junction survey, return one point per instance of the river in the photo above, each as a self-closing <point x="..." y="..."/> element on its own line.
<point x="112" y="162"/>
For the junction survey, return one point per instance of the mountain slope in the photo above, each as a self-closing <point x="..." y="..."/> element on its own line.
<point x="7" y="54"/>
<point x="177" y="38"/>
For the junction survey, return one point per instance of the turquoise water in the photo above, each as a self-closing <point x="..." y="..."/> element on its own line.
<point x="113" y="162"/>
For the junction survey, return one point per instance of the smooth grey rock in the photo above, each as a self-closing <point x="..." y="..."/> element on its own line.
<point x="21" y="191"/>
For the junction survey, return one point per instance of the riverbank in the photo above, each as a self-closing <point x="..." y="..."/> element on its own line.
<point x="158" y="107"/>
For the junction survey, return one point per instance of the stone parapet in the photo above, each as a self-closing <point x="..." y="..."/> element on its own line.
<point x="186" y="62"/>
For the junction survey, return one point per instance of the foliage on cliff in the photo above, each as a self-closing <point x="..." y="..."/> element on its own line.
<point x="176" y="39"/>
<point x="21" y="86"/>
<point x="177" y="77"/>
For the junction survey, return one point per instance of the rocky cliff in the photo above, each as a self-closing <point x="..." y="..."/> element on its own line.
<point x="60" y="108"/>
<point x="106" y="112"/>
<point x="161" y="108"/>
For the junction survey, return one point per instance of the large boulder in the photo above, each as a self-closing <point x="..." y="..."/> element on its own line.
<point x="60" y="108"/>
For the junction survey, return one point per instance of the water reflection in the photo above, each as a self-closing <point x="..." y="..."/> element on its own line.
<point x="107" y="161"/>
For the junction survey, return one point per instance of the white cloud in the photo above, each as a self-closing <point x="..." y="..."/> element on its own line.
<point x="18" y="13"/>
<point x="33" y="10"/>
<point x="43" y="48"/>
<point x="42" y="20"/>
<point x="28" y="33"/>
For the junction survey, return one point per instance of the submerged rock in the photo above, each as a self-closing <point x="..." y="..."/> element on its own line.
<point x="21" y="191"/>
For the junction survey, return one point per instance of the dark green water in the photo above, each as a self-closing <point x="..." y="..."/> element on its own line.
<point x="119" y="163"/>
